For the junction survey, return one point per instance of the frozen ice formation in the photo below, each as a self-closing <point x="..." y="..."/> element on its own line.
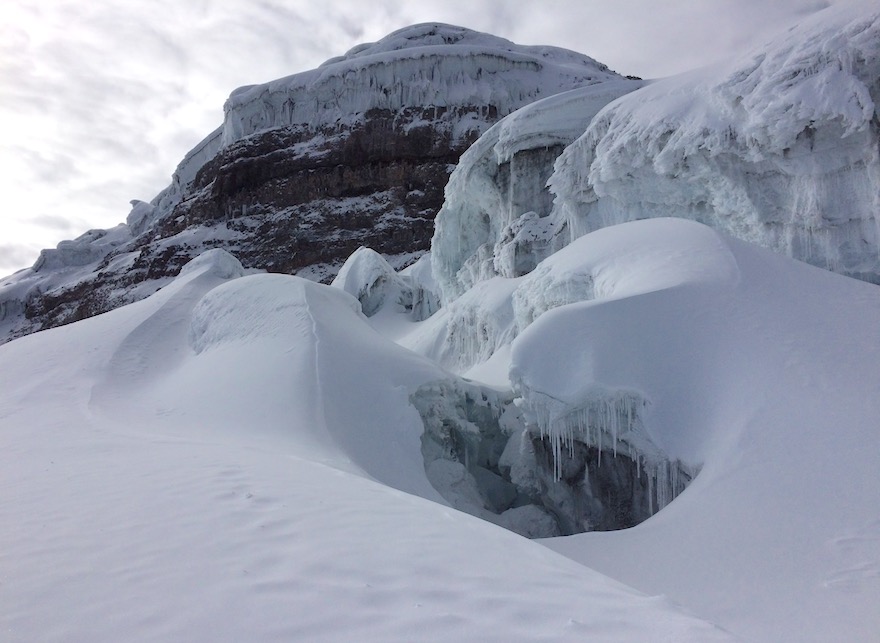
<point x="488" y="457"/>
<point x="780" y="148"/>
<point x="370" y="279"/>
<point x="493" y="221"/>
<point x="579" y="437"/>
<point x="424" y="65"/>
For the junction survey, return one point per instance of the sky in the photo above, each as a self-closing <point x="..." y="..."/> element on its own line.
<point x="99" y="101"/>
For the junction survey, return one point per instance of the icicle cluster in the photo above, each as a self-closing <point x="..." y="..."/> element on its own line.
<point x="611" y="423"/>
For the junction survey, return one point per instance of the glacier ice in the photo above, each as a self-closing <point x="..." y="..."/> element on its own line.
<point x="368" y="277"/>
<point x="392" y="73"/>
<point x="493" y="218"/>
<point x="780" y="148"/>
<point x="511" y="463"/>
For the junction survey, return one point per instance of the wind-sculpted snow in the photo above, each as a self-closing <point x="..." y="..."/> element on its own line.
<point x="779" y="148"/>
<point x="221" y="493"/>
<point x="370" y="279"/>
<point x="492" y="221"/>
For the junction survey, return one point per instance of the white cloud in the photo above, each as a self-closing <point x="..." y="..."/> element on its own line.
<point x="99" y="101"/>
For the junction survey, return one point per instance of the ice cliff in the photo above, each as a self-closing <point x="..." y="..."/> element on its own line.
<point x="494" y="218"/>
<point x="780" y="147"/>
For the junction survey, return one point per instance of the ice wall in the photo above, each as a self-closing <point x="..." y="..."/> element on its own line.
<point x="780" y="148"/>
<point x="428" y="65"/>
<point x="491" y="456"/>
<point x="493" y="219"/>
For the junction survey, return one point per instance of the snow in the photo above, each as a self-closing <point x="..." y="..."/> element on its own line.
<point x="779" y="147"/>
<point x="428" y="65"/>
<point x="370" y="279"/>
<point x="227" y="458"/>
<point x="254" y="457"/>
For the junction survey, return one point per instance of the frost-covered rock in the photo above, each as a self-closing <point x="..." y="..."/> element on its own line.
<point x="780" y="148"/>
<point x="493" y="219"/>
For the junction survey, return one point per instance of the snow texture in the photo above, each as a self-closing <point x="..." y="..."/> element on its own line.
<point x="204" y="464"/>
<point x="252" y="457"/>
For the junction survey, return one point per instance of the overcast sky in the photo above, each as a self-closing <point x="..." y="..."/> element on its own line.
<point x="100" y="99"/>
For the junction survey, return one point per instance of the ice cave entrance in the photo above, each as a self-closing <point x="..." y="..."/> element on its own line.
<point x="542" y="479"/>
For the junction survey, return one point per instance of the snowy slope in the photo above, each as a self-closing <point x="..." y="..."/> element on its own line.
<point x="203" y="464"/>
<point x="260" y="457"/>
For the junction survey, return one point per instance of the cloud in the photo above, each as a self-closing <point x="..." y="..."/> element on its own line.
<point x="15" y="256"/>
<point x="54" y="222"/>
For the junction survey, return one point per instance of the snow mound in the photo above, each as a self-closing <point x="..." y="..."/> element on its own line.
<point x="618" y="262"/>
<point x="370" y="279"/>
<point x="217" y="262"/>
<point x="779" y="148"/>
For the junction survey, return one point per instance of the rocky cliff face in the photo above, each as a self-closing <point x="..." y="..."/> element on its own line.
<point x="306" y="169"/>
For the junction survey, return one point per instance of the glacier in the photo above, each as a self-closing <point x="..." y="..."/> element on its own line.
<point x="779" y="147"/>
<point x="493" y="220"/>
<point x="616" y="347"/>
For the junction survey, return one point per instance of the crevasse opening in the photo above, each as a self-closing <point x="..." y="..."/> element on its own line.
<point x="542" y="474"/>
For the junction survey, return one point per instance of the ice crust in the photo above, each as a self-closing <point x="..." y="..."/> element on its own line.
<point x="779" y="148"/>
